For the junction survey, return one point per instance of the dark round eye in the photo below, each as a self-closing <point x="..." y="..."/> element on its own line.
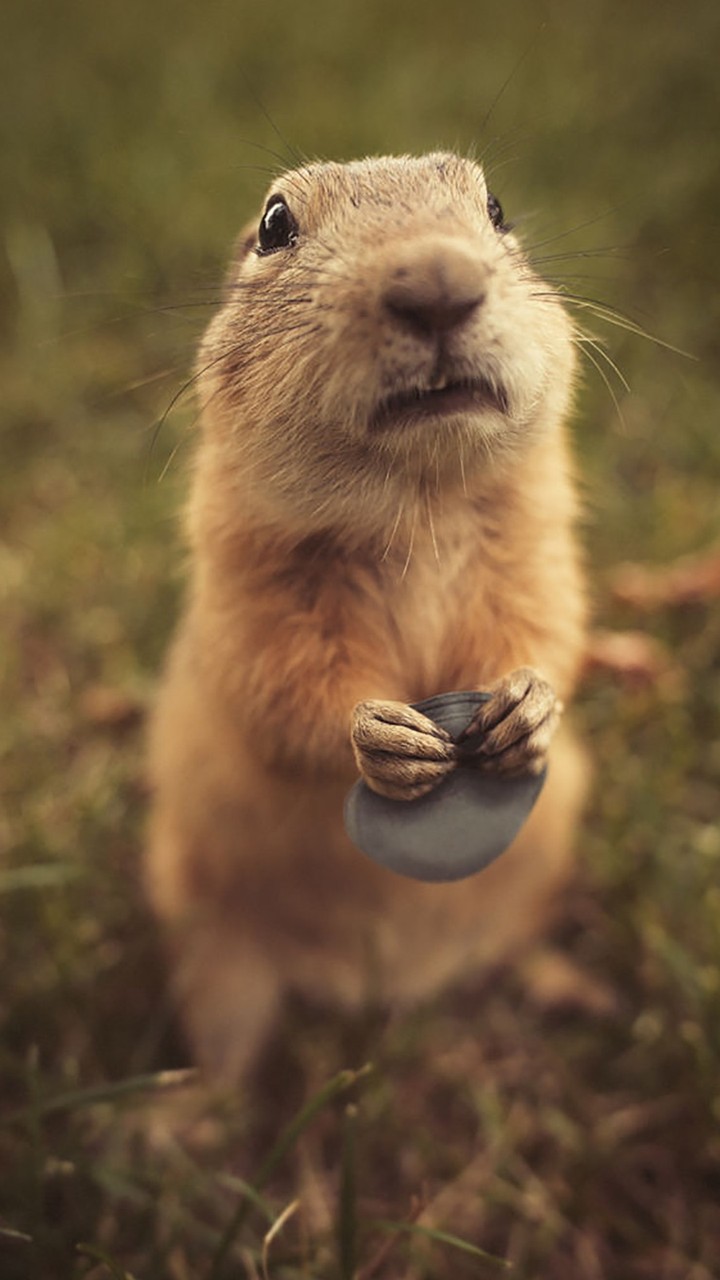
<point x="495" y="212"/>
<point x="278" y="228"/>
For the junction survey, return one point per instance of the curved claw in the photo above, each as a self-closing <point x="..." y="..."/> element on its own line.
<point x="512" y="731"/>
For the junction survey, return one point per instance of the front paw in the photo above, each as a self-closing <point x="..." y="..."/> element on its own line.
<point x="511" y="732"/>
<point x="400" y="753"/>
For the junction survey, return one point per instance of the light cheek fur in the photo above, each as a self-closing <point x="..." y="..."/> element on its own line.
<point x="334" y="565"/>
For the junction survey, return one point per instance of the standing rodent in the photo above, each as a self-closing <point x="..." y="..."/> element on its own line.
<point x="382" y="509"/>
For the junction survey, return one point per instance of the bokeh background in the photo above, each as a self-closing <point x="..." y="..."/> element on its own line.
<point x="569" y="1125"/>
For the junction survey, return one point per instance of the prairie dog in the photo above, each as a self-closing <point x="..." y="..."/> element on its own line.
<point x="382" y="509"/>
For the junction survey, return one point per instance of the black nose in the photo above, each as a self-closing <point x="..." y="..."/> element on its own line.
<point x="429" y="316"/>
<point x="434" y="288"/>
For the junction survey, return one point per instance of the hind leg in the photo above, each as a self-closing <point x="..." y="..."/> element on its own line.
<point x="229" y="996"/>
<point x="227" y="985"/>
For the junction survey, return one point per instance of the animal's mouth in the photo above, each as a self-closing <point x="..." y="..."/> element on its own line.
<point x="471" y="395"/>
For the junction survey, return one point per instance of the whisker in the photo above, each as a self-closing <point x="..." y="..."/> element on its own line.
<point x="391" y="539"/>
<point x="611" y="390"/>
<point x="508" y="80"/>
<point x="267" y="170"/>
<point x="431" y="526"/>
<point x="497" y="153"/>
<point x="580" y="226"/>
<point x="183" y="440"/>
<point x="462" y="469"/>
<point x="503" y="162"/>
<point x="139" y="383"/>
<point x="268" y="151"/>
<point x="586" y="340"/>
<point x="604" y="311"/>
<point x="565" y="281"/>
<point x="607" y="251"/>
<point x="408" y="558"/>
<point x="190" y="382"/>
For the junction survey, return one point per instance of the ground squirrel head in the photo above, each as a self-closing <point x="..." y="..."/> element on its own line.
<point x="382" y="332"/>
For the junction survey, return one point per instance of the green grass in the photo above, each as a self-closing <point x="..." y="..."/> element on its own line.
<point x="568" y="1144"/>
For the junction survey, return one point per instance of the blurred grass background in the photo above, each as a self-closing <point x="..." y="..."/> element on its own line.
<point x="135" y="142"/>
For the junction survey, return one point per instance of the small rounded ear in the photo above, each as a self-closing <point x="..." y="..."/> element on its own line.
<point x="244" y="243"/>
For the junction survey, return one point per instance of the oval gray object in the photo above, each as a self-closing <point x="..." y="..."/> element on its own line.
<point x="456" y="830"/>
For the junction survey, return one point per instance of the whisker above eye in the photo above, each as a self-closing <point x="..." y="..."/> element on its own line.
<point x="609" y="251"/>
<point x="569" y="231"/>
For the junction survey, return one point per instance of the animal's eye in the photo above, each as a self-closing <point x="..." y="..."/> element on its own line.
<point x="278" y="228"/>
<point x="495" y="213"/>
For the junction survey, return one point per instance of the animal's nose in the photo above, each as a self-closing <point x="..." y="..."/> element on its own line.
<point x="432" y="288"/>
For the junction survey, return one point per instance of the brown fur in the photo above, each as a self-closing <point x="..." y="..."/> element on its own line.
<point x="338" y="560"/>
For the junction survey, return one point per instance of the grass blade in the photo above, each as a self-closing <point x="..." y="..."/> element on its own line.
<point x="75" y="1098"/>
<point x="16" y="1237"/>
<point x="339" y="1084"/>
<point x="44" y="875"/>
<point x="347" y="1215"/>
<point x="242" y="1188"/>
<point x="274" y="1231"/>
<point x="441" y="1237"/>
<point x="97" y="1255"/>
